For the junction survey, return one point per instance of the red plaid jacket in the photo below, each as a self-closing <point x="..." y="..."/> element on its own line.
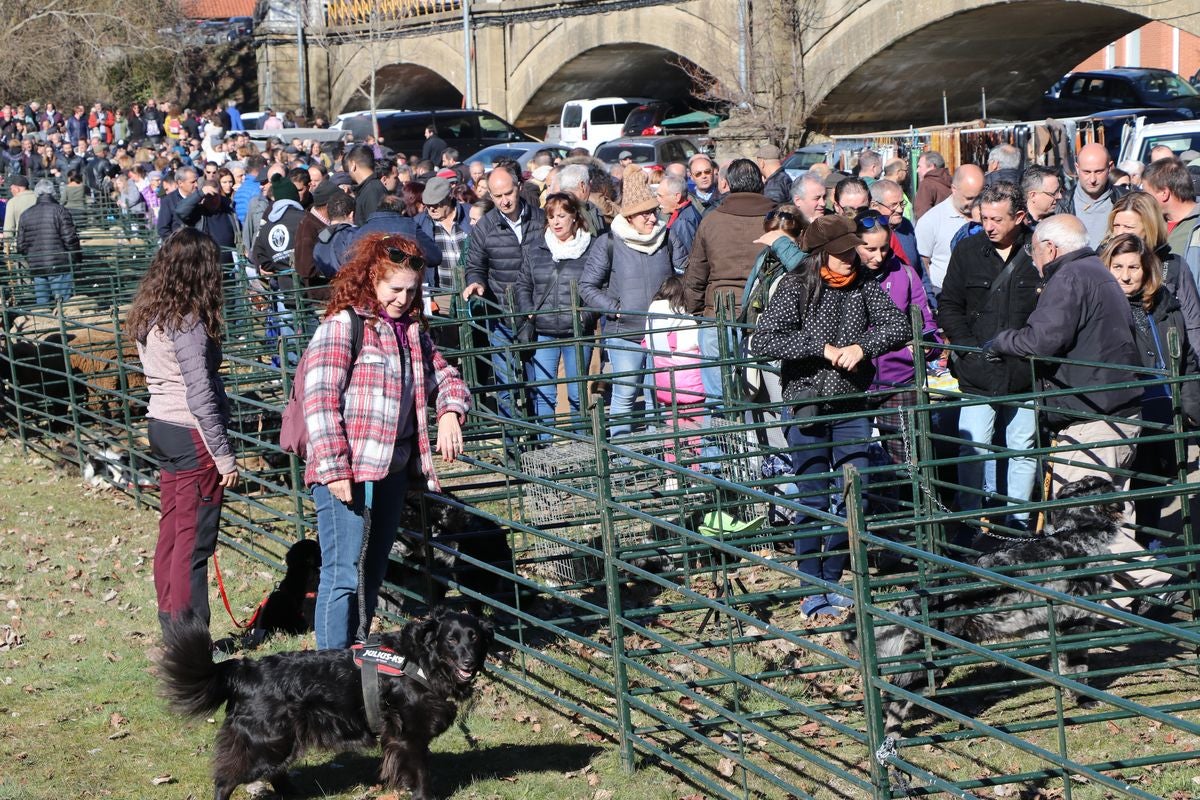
<point x="352" y="429"/>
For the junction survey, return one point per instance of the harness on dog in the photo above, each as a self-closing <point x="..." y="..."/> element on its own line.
<point x="373" y="660"/>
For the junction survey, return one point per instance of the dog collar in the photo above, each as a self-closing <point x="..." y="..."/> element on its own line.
<point x="373" y="659"/>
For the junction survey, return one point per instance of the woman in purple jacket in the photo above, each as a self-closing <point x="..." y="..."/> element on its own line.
<point x="176" y="320"/>
<point x="893" y="386"/>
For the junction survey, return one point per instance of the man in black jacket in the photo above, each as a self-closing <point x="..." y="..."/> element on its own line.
<point x="991" y="284"/>
<point x="434" y="146"/>
<point x="50" y="244"/>
<point x="368" y="189"/>
<point x="1084" y="317"/>
<point x="178" y="207"/>
<point x="493" y="264"/>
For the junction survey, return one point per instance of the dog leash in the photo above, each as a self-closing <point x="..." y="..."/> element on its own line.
<point x="225" y="599"/>
<point x="364" y="624"/>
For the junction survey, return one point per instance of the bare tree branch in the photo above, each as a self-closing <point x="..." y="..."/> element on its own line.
<point x="61" y="50"/>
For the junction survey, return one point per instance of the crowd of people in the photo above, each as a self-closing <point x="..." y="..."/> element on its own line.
<point x="1097" y="266"/>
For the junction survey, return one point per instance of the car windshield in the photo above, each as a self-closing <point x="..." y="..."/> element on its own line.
<point x="642" y="153"/>
<point x="1178" y="142"/>
<point x="1165" y="86"/>
<point x="803" y="160"/>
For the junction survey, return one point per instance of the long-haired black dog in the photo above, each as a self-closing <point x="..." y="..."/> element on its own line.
<point x="450" y="531"/>
<point x="282" y="705"/>
<point x="1080" y="532"/>
<point x="291" y="607"/>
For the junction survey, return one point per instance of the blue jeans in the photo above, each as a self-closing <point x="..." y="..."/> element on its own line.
<point x="825" y="493"/>
<point x="710" y="348"/>
<point x="627" y="356"/>
<point x="506" y="369"/>
<point x="543" y="366"/>
<point x="340" y="532"/>
<point x="978" y="424"/>
<point x="49" y="288"/>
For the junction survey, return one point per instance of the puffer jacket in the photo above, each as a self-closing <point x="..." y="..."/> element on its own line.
<point x="623" y="285"/>
<point x="971" y="313"/>
<point x="724" y="250"/>
<point x="48" y="238"/>
<point x="541" y="292"/>
<point x="795" y="331"/>
<point x="494" y="254"/>
<point x="183" y="376"/>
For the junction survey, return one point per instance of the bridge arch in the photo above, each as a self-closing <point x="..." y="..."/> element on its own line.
<point x="885" y="64"/>
<point x="428" y="75"/>
<point x="635" y="52"/>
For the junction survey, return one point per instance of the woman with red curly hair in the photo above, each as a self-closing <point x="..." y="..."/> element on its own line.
<point x="367" y="421"/>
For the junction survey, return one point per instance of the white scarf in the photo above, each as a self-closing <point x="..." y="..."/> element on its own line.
<point x="642" y="242"/>
<point x="572" y="248"/>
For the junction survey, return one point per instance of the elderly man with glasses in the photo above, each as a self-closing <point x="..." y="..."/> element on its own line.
<point x="887" y="197"/>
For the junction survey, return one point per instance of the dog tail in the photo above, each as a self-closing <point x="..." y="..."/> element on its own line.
<point x="193" y="683"/>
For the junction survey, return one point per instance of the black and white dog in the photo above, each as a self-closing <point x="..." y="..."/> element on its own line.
<point x="280" y="706"/>
<point x="1080" y="532"/>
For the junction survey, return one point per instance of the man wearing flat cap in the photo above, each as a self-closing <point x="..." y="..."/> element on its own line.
<point x="447" y="223"/>
<point x="777" y="185"/>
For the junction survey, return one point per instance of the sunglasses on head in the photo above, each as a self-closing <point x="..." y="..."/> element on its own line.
<point x="398" y="256"/>
<point x="867" y="223"/>
<point x="776" y="214"/>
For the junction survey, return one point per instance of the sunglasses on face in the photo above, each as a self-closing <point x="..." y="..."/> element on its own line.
<point x="700" y="173"/>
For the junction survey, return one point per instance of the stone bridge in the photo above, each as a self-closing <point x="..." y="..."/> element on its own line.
<point x="852" y="64"/>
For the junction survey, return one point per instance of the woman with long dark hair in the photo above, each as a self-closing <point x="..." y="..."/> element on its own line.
<point x="826" y="321"/>
<point x="365" y="408"/>
<point x="176" y="321"/>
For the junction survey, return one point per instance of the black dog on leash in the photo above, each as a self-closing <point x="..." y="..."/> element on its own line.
<point x="1080" y="532"/>
<point x="452" y="532"/>
<point x="283" y="705"/>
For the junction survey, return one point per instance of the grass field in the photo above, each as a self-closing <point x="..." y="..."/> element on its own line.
<point x="80" y="716"/>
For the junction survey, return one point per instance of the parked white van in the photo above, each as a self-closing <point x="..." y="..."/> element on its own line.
<point x="588" y="123"/>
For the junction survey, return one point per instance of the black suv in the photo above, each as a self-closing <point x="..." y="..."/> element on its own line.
<point x="1083" y="93"/>
<point x="467" y="131"/>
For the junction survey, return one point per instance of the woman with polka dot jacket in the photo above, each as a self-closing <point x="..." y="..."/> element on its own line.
<point x="826" y="322"/>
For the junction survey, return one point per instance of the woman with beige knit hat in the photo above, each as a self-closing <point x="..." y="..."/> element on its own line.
<point x="622" y="275"/>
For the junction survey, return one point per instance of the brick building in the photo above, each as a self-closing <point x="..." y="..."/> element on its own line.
<point x="1155" y="44"/>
